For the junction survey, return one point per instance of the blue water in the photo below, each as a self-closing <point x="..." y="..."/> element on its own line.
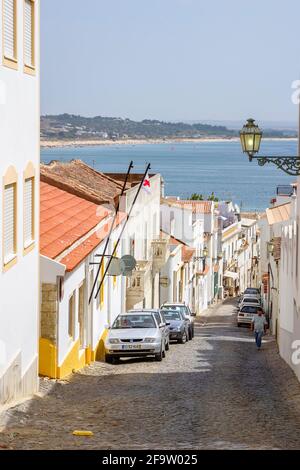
<point x="193" y="168"/>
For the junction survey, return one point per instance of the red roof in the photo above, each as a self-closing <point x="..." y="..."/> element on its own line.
<point x="65" y="219"/>
<point x="75" y="257"/>
<point x="187" y="254"/>
<point x="201" y="207"/>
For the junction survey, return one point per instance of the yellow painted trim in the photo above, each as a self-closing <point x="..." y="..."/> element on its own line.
<point x="47" y="358"/>
<point x="98" y="354"/>
<point x="11" y="176"/>
<point x="73" y="361"/>
<point x="30" y="68"/>
<point x="88" y="355"/>
<point x="8" y="266"/>
<point x="9" y="62"/>
<point x="29" y="249"/>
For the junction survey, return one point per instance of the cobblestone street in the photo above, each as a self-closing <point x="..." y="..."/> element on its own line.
<point x="215" y="392"/>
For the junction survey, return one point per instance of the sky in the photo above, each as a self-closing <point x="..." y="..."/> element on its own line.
<point x="170" y="59"/>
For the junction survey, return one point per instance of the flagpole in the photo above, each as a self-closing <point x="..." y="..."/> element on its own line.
<point x="111" y="230"/>
<point x="123" y="228"/>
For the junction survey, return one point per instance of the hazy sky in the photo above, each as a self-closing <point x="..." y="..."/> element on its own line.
<point x="171" y="59"/>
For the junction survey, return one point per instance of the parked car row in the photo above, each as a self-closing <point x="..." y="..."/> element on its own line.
<point x="148" y="332"/>
<point x="248" y="305"/>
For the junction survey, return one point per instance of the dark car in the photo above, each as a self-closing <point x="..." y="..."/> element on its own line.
<point x="185" y="310"/>
<point x="178" y="325"/>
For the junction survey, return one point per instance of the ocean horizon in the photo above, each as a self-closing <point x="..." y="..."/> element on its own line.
<point x="187" y="168"/>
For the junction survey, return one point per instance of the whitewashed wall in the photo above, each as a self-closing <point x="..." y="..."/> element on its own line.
<point x="19" y="144"/>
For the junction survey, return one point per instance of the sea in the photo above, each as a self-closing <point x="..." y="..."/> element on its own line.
<point x="216" y="167"/>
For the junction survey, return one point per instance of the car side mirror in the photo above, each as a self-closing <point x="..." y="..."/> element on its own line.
<point x="168" y="324"/>
<point x="162" y="325"/>
<point x="193" y="314"/>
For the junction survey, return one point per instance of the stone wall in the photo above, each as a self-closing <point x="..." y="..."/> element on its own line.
<point x="49" y="312"/>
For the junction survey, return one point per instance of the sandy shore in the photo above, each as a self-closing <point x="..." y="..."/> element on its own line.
<point x="95" y="143"/>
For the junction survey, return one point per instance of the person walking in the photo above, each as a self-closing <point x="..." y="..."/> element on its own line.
<point x="259" y="326"/>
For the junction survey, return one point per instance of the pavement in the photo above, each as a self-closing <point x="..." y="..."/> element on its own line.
<point x="215" y="392"/>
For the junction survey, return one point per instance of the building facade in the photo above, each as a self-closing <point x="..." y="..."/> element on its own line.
<point x="19" y="197"/>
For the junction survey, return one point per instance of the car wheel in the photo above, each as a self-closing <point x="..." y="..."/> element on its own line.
<point x="184" y="338"/>
<point x="159" y="356"/>
<point x="108" y="359"/>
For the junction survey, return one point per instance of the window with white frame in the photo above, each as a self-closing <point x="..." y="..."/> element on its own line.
<point x="71" y="319"/>
<point x="28" y="212"/>
<point x="10" y="30"/>
<point x="29" y="33"/>
<point x="9" y="223"/>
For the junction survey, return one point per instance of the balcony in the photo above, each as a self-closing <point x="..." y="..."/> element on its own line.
<point x="138" y="283"/>
<point x="160" y="253"/>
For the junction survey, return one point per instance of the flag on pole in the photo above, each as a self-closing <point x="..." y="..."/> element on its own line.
<point x="147" y="184"/>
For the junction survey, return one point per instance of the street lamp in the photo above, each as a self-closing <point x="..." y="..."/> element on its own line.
<point x="251" y="136"/>
<point x="270" y="247"/>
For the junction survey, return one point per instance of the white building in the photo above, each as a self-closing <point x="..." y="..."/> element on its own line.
<point x="179" y="220"/>
<point x="19" y="201"/>
<point x="77" y="206"/>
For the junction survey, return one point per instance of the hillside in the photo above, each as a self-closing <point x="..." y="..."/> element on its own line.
<point x="72" y="127"/>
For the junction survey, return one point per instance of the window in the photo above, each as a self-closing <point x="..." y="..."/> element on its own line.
<point x="28" y="212"/>
<point x="71" y="322"/>
<point x="29" y="35"/>
<point x="10" y="223"/>
<point x="10" y="33"/>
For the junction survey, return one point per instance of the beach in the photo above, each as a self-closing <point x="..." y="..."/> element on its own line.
<point x="96" y="143"/>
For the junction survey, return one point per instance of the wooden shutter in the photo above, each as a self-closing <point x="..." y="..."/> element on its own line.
<point x="9" y="26"/>
<point x="28" y="33"/>
<point x="9" y="222"/>
<point x="28" y="212"/>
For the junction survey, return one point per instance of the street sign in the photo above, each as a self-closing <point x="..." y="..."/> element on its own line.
<point x="115" y="267"/>
<point x="128" y="264"/>
<point x="165" y="281"/>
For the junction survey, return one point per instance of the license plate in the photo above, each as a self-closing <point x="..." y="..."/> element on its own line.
<point x="131" y="346"/>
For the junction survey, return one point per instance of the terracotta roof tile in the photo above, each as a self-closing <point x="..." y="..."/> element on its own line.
<point x="79" y="179"/>
<point x="75" y="257"/>
<point x="187" y="254"/>
<point x="279" y="213"/>
<point x="199" y="207"/>
<point x="64" y="219"/>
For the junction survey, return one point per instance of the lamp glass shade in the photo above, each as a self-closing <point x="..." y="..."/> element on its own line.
<point x="251" y="136"/>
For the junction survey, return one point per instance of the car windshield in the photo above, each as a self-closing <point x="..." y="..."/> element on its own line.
<point x="249" y="309"/>
<point x="124" y="322"/>
<point x="172" y="315"/>
<point x="250" y="300"/>
<point x="251" y="291"/>
<point x="178" y="308"/>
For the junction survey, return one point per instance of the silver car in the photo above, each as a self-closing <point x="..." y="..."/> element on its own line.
<point x="136" y="333"/>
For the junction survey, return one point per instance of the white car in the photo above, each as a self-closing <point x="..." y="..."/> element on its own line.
<point x="136" y="333"/>
<point x="246" y="314"/>
<point x="249" y="300"/>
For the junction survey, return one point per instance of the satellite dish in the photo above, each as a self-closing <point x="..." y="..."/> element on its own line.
<point x="128" y="264"/>
<point x="115" y="267"/>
